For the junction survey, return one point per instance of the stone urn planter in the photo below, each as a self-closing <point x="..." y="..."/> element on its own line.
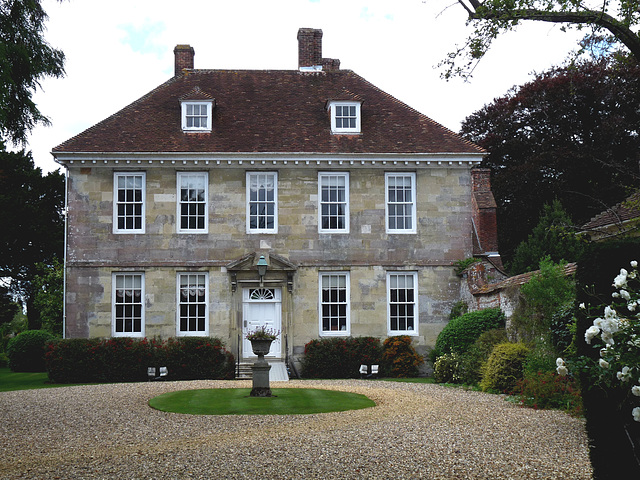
<point x="261" y="340"/>
<point x="261" y="347"/>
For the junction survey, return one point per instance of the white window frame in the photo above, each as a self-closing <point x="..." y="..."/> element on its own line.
<point x="334" y="114"/>
<point x="321" y="303"/>
<point x="117" y="202"/>
<point x="203" y="303"/>
<point x="249" y="203"/>
<point x="208" y="108"/>
<point x="114" y="304"/>
<point x="411" y="205"/>
<point x="321" y="177"/>
<point x="179" y="178"/>
<point x="416" y="316"/>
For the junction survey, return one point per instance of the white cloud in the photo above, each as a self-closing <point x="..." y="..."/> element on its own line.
<point x="119" y="50"/>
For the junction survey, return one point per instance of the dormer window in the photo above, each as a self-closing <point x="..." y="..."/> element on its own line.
<point x="196" y="116"/>
<point x="345" y="117"/>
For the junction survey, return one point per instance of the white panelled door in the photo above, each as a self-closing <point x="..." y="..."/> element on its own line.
<point x="262" y="307"/>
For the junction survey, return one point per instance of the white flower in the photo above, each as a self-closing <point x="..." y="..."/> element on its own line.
<point x="607" y="338"/>
<point x="615" y="295"/>
<point x="636" y="414"/>
<point x="624" y="294"/>
<point x="632" y="306"/>
<point x="636" y="390"/>
<point x="603" y="363"/>
<point x="634" y="264"/>
<point x="591" y="332"/>
<point x="559" y="362"/>
<point x="621" y="280"/>
<point x="610" y="313"/>
<point x="562" y="370"/>
<point x="623" y="375"/>
<point x="582" y="306"/>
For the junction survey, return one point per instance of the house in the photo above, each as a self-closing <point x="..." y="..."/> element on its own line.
<point x="358" y="205"/>
<point x="621" y="220"/>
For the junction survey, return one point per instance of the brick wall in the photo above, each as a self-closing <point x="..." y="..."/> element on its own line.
<point x="183" y="58"/>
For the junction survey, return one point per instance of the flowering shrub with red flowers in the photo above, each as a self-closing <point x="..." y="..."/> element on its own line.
<point x="340" y="357"/>
<point x="547" y="390"/>
<point x="126" y="359"/>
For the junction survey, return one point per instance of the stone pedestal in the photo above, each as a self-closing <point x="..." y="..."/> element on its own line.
<point x="260" y="369"/>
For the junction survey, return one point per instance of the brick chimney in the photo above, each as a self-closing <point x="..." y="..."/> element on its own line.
<point x="310" y="51"/>
<point x="183" y="58"/>
<point x="484" y="215"/>
<point x="309" y="47"/>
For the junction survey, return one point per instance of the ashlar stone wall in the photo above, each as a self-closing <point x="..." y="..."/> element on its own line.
<point x="367" y="252"/>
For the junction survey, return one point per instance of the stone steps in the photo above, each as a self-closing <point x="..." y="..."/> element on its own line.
<point x="278" y="372"/>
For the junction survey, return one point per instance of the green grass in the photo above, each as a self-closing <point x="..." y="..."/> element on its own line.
<point x="236" y="401"/>
<point x="10" y="381"/>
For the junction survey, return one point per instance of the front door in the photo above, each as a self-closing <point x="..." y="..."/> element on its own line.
<point x="262" y="307"/>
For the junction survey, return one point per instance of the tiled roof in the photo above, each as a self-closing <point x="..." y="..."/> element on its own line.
<point x="616" y="215"/>
<point x="268" y="111"/>
<point x="517" y="280"/>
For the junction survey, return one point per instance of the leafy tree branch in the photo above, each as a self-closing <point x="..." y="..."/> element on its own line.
<point x="494" y="17"/>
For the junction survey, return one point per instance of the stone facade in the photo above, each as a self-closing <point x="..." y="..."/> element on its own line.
<point x="95" y="253"/>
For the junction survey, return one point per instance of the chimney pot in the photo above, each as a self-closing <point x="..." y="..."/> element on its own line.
<point x="183" y="58"/>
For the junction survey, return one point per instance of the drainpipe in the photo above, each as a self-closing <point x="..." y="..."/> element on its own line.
<point x="64" y="267"/>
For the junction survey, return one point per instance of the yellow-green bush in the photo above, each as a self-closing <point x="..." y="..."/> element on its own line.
<point x="504" y="367"/>
<point x="446" y="368"/>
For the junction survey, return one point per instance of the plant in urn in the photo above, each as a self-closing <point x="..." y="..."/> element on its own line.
<point x="261" y="339"/>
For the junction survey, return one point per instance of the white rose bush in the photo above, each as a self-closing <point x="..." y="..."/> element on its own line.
<point x="617" y="334"/>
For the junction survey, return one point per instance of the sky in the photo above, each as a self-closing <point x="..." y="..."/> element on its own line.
<point x="118" y="50"/>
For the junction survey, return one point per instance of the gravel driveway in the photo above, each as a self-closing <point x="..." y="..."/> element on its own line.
<point x="415" y="431"/>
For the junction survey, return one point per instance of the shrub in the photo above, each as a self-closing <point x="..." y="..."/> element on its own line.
<point x="504" y="367"/>
<point x="460" y="333"/>
<point x="26" y="351"/>
<point x="446" y="368"/>
<point x="196" y="358"/>
<point x="471" y="362"/>
<point x="548" y="390"/>
<point x="548" y="292"/>
<point x="72" y="360"/>
<point x="339" y="357"/>
<point x="541" y="359"/>
<point x="126" y="359"/>
<point x="399" y="358"/>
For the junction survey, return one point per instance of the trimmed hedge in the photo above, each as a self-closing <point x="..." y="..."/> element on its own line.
<point x="340" y="357"/>
<point x="26" y="351"/>
<point x="126" y="359"/>
<point x="462" y="332"/>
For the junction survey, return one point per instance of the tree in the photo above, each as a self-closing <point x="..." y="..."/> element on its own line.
<point x="48" y="289"/>
<point x="612" y="22"/>
<point x="553" y="237"/>
<point x="25" y="59"/>
<point x="571" y="134"/>
<point x="8" y="307"/>
<point x="33" y="223"/>
<point x="544" y="295"/>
